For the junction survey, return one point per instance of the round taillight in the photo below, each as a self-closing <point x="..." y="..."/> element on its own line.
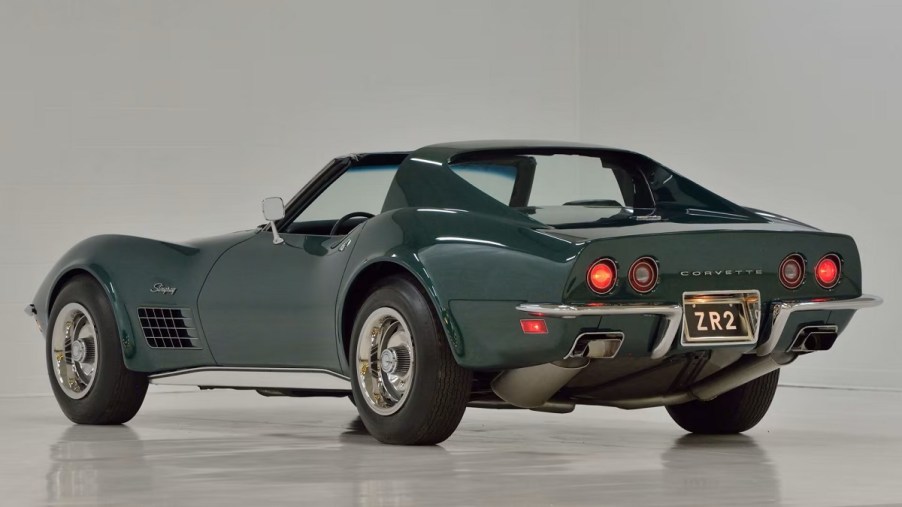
<point x="602" y="276"/>
<point x="644" y="275"/>
<point x="828" y="271"/>
<point x="792" y="271"/>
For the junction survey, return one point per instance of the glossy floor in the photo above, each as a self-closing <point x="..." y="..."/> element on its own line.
<point x="816" y="447"/>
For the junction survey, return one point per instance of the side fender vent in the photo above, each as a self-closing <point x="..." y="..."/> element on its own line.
<point x="169" y="328"/>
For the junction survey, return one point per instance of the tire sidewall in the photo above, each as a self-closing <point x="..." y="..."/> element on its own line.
<point x="428" y="339"/>
<point x="90" y="295"/>
<point x="734" y="411"/>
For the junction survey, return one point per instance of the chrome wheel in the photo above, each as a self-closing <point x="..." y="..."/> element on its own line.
<point x="385" y="361"/>
<point x="73" y="351"/>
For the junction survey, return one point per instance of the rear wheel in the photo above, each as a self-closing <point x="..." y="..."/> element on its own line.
<point x="734" y="411"/>
<point x="84" y="358"/>
<point x="406" y="383"/>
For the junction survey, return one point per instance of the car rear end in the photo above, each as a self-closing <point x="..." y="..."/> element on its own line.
<point x="672" y="293"/>
<point x="675" y="294"/>
<point x="650" y="311"/>
<point x="738" y="274"/>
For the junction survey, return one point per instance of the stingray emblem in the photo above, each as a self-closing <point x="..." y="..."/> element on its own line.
<point x="159" y="288"/>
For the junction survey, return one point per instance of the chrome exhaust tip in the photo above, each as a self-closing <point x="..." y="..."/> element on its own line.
<point x="814" y="338"/>
<point x="597" y="345"/>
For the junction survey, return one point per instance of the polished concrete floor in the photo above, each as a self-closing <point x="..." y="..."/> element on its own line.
<point x="816" y="447"/>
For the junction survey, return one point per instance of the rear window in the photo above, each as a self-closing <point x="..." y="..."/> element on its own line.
<point x="538" y="181"/>
<point x="496" y="179"/>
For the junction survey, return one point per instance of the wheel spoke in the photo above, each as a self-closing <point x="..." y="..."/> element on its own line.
<point x="74" y="350"/>
<point x="384" y="365"/>
<point x="80" y="375"/>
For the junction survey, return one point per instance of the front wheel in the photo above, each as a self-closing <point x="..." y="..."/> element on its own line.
<point x="734" y="411"/>
<point x="406" y="385"/>
<point x="84" y="358"/>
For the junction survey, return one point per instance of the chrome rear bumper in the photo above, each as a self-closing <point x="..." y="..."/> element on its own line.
<point x="783" y="310"/>
<point x="673" y="316"/>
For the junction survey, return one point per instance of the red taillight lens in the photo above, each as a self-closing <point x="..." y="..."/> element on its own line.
<point x="533" y="326"/>
<point x="602" y="276"/>
<point x="644" y="275"/>
<point x="792" y="271"/>
<point x="828" y="271"/>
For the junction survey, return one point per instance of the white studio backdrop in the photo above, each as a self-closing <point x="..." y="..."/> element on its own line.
<point x="173" y="120"/>
<point x="791" y="107"/>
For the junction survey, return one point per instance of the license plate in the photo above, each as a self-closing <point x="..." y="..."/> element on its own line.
<point x="716" y="318"/>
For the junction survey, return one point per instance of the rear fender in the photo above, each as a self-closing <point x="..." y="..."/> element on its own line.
<point x="466" y="258"/>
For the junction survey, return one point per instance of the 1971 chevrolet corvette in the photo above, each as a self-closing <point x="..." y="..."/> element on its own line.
<point x="530" y="275"/>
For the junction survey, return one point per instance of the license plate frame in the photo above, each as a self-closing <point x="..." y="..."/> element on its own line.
<point x="743" y="306"/>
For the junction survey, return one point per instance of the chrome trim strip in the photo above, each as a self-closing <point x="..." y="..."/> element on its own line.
<point x="783" y="310"/>
<point x="672" y="314"/>
<point x="275" y="378"/>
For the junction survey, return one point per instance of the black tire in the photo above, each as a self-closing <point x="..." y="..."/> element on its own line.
<point x="116" y="393"/>
<point x="440" y="389"/>
<point x="732" y="412"/>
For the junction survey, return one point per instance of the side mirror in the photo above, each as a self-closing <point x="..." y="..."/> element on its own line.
<point x="274" y="209"/>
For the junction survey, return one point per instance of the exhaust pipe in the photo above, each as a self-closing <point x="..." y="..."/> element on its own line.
<point x="743" y="371"/>
<point x="814" y="338"/>
<point x="532" y="386"/>
<point x="550" y="406"/>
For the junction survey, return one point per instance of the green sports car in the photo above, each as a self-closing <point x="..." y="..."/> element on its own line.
<point x="495" y="274"/>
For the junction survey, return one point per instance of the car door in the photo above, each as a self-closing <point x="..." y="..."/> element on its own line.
<point x="274" y="305"/>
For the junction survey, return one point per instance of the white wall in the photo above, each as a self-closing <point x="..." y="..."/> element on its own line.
<point x="173" y="119"/>
<point x="793" y="107"/>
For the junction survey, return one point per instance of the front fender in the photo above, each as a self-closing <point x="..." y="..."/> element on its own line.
<point x="127" y="268"/>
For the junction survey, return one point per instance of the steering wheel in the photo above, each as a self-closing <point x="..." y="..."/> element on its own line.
<point x="341" y="221"/>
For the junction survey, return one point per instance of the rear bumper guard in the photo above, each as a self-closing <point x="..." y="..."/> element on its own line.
<point x="673" y="316"/>
<point x="783" y="310"/>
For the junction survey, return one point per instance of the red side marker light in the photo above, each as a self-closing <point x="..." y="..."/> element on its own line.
<point x="827" y="271"/>
<point x="533" y="326"/>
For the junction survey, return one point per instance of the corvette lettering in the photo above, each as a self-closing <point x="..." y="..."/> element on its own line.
<point x="723" y="272"/>
<point x="159" y="288"/>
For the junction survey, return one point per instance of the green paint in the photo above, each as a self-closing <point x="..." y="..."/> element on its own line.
<point x="261" y="304"/>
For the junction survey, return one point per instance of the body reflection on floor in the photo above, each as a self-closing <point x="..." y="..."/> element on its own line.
<point x="235" y="448"/>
